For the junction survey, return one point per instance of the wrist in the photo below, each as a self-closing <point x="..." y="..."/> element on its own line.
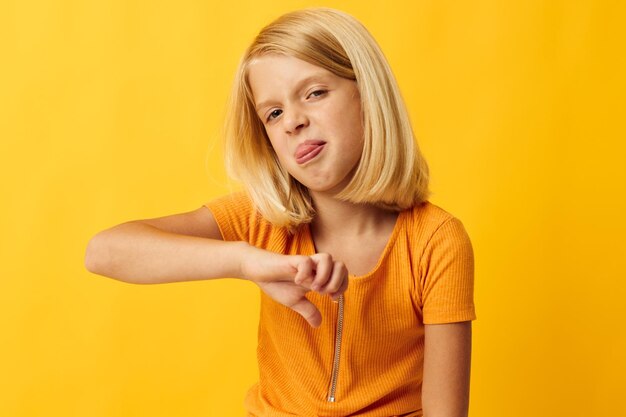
<point x="243" y="250"/>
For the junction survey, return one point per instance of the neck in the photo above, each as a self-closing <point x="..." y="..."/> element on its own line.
<point x="341" y="218"/>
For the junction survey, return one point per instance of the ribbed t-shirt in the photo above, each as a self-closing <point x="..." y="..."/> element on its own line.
<point x="425" y="275"/>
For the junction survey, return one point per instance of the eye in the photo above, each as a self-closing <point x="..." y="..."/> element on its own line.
<point x="318" y="93"/>
<point x="274" y="114"/>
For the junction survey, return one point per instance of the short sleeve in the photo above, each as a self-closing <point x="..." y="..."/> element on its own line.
<point x="447" y="275"/>
<point x="233" y="214"/>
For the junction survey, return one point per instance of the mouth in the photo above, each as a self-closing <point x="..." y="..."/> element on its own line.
<point x="308" y="150"/>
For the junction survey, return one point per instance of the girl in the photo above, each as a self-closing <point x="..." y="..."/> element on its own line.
<point x="367" y="287"/>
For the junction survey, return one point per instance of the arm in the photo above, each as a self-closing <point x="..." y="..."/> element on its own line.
<point x="189" y="246"/>
<point x="142" y="254"/>
<point x="447" y="356"/>
<point x="180" y="247"/>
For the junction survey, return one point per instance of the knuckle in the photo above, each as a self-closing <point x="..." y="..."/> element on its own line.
<point x="340" y="265"/>
<point x="308" y="313"/>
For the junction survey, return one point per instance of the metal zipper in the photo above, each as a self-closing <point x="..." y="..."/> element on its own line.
<point x="333" y="381"/>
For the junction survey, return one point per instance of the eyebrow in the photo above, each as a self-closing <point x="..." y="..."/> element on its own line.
<point x="306" y="80"/>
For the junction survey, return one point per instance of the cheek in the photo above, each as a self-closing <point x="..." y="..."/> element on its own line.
<point x="353" y="124"/>
<point x="352" y="114"/>
<point x="280" y="147"/>
<point x="270" y="137"/>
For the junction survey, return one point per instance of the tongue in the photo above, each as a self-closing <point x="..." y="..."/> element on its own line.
<point x="305" y="150"/>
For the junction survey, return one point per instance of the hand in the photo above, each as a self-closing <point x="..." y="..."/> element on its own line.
<point x="287" y="278"/>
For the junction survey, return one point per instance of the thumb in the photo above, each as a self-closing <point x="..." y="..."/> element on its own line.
<point x="308" y="310"/>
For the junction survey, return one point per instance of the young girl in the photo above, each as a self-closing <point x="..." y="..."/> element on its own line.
<point x="367" y="287"/>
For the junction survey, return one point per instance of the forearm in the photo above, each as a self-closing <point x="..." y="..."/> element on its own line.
<point x="142" y="254"/>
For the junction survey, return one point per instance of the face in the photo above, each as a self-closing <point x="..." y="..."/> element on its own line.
<point x="312" y="118"/>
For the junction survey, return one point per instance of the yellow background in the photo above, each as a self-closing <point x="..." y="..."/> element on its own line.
<point x="110" y="111"/>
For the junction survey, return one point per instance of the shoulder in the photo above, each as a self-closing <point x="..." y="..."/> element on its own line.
<point x="238" y="200"/>
<point x="426" y="219"/>
<point x="235" y="215"/>
<point x="239" y="219"/>
<point x="435" y="235"/>
<point x="443" y="268"/>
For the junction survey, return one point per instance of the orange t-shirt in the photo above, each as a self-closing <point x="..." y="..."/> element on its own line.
<point x="372" y="363"/>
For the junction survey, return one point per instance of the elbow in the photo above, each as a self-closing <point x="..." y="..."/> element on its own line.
<point x="95" y="255"/>
<point x="101" y="258"/>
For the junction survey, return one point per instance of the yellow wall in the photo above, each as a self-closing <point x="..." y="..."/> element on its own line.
<point x="110" y="111"/>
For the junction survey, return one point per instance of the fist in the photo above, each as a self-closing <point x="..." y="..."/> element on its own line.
<point x="287" y="278"/>
<point x="322" y="274"/>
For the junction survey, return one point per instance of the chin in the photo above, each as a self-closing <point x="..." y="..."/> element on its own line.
<point x="333" y="189"/>
<point x="324" y="185"/>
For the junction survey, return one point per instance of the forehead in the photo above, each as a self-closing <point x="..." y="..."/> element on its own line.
<point x="281" y="65"/>
<point x="272" y="72"/>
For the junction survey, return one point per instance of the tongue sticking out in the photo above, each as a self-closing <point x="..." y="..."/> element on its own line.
<point x="308" y="150"/>
<point x="305" y="149"/>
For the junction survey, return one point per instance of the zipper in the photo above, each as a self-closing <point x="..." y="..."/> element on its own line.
<point x="335" y="372"/>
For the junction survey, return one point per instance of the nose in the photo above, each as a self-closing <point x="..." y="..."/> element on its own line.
<point x="295" y="119"/>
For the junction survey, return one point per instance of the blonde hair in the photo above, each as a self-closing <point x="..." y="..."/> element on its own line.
<point x="392" y="173"/>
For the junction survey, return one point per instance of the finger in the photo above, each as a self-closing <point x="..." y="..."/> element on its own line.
<point x="339" y="280"/>
<point x="308" y="310"/>
<point x="335" y="296"/>
<point x="339" y="271"/>
<point x="304" y="271"/>
<point x="323" y="270"/>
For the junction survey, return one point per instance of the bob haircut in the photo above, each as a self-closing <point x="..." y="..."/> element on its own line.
<point x="391" y="173"/>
